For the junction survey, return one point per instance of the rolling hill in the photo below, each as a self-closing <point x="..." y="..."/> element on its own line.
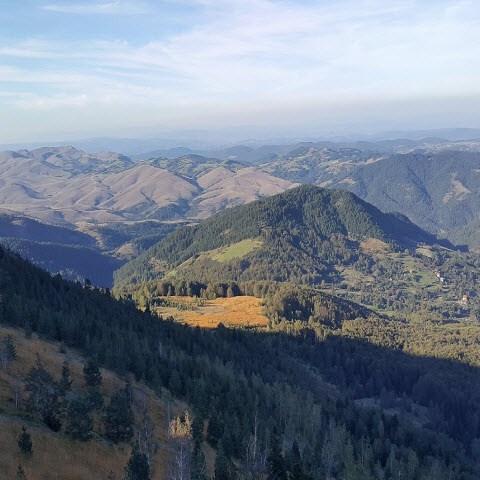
<point x="434" y="182"/>
<point x="299" y="235"/>
<point x="65" y="186"/>
<point x="438" y="190"/>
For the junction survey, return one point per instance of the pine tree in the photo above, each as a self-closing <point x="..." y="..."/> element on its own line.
<point x="215" y="429"/>
<point x="119" y="417"/>
<point x="66" y="380"/>
<point x="79" y="423"/>
<point x="223" y="468"/>
<point x="44" y="396"/>
<point x="197" y="429"/>
<point x="295" y="464"/>
<point x="92" y="374"/>
<point x="137" y="467"/>
<point x="8" y="351"/>
<point x="25" y="442"/>
<point x="10" y="348"/>
<point x="199" y="466"/>
<point x="275" y="461"/>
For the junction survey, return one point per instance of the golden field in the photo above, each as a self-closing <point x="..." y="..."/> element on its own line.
<point x="245" y="312"/>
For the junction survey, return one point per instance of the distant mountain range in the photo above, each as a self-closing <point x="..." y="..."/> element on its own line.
<point x="117" y="206"/>
<point x="66" y="186"/>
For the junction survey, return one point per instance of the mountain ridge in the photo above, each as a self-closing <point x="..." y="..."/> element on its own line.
<point x="304" y="223"/>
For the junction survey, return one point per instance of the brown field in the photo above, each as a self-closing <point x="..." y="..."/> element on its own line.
<point x="372" y="246"/>
<point x="232" y="312"/>
<point x="55" y="456"/>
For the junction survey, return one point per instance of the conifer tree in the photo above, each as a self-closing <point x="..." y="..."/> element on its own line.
<point x="79" y="423"/>
<point x="92" y="374"/>
<point x="25" y="442"/>
<point x="199" y="466"/>
<point x="10" y="348"/>
<point x="275" y="461"/>
<point x="44" y="396"/>
<point x="137" y="467"/>
<point x="119" y="417"/>
<point x="215" y="429"/>
<point x="295" y="463"/>
<point x="8" y="351"/>
<point x="66" y="380"/>
<point x="223" y="468"/>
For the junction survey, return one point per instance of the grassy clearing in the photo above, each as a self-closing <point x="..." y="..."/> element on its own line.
<point x="55" y="456"/>
<point x="232" y="312"/>
<point x="425" y="251"/>
<point x="374" y="246"/>
<point x="237" y="250"/>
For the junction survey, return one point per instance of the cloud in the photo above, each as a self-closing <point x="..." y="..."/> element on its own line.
<point x="118" y="7"/>
<point x="247" y="56"/>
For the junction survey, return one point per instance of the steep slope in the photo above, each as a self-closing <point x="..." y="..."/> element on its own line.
<point x="56" y="453"/>
<point x="412" y="415"/>
<point x="16" y="226"/>
<point x="438" y="190"/>
<point x="434" y="182"/>
<point x="72" y="262"/>
<point x="297" y="235"/>
<point x="71" y="253"/>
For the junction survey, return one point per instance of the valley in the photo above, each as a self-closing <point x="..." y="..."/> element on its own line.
<point x="348" y="370"/>
<point x="122" y="206"/>
<point x="239" y="240"/>
<point x="234" y="300"/>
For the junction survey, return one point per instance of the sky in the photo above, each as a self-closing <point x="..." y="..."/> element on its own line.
<point x="71" y="69"/>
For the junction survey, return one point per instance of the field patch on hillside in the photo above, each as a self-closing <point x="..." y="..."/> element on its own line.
<point x="246" y="312"/>
<point x="374" y="245"/>
<point x="237" y="250"/>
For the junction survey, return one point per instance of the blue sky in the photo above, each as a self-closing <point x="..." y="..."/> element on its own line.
<point x="141" y="68"/>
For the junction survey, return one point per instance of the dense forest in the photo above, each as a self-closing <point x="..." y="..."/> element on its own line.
<point x="275" y="405"/>
<point x="299" y="235"/>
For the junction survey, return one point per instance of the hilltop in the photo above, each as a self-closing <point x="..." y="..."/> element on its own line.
<point x="299" y="235"/>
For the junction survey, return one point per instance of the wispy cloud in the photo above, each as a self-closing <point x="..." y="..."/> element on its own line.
<point x="118" y="7"/>
<point x="251" y="55"/>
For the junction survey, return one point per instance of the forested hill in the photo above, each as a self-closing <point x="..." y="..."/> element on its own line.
<point x="296" y="235"/>
<point x="366" y="412"/>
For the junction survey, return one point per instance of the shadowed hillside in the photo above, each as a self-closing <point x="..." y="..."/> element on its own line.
<point x="373" y="409"/>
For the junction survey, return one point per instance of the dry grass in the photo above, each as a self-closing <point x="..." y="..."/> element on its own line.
<point x="55" y="455"/>
<point x="232" y="312"/>
<point x="374" y="246"/>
